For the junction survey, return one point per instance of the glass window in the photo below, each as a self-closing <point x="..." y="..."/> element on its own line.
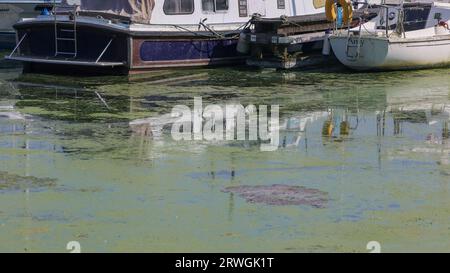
<point x="214" y="5"/>
<point x="208" y="5"/>
<point x="221" y="4"/>
<point x="173" y="7"/>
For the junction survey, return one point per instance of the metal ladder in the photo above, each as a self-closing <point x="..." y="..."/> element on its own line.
<point x="71" y="33"/>
<point x="357" y="46"/>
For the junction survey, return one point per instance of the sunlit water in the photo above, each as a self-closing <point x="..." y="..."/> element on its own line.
<point x="71" y="169"/>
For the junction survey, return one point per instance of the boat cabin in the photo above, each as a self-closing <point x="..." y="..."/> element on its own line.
<point x="192" y="11"/>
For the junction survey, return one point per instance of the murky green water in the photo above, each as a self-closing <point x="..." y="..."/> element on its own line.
<point x="71" y="169"/>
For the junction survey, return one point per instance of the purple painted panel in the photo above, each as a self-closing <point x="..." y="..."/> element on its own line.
<point x="187" y="50"/>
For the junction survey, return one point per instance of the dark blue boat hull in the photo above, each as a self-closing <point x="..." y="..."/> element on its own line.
<point x="133" y="51"/>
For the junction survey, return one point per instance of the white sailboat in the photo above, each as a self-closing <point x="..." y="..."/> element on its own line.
<point x="403" y="36"/>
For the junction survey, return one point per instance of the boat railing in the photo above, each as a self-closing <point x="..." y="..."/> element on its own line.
<point x="354" y="35"/>
<point x="399" y="26"/>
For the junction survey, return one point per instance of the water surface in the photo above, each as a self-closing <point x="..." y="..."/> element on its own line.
<point x="71" y="168"/>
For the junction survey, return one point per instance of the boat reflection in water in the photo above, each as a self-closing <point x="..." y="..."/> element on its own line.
<point x="427" y="108"/>
<point x="361" y="150"/>
<point x="8" y="110"/>
<point x="406" y="111"/>
<point x="397" y="109"/>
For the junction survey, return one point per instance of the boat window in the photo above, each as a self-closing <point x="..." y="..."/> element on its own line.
<point x="416" y="17"/>
<point x="214" y="5"/>
<point x="174" y="7"/>
<point x="281" y="4"/>
<point x="243" y="12"/>
<point x="221" y="4"/>
<point x="208" y="5"/>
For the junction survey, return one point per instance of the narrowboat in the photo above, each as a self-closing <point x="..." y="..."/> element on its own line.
<point x="131" y="36"/>
<point x="12" y="12"/>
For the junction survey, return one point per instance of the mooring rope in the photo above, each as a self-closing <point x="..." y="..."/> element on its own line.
<point x="214" y="33"/>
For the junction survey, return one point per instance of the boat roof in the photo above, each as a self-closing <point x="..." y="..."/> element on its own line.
<point x="139" y="11"/>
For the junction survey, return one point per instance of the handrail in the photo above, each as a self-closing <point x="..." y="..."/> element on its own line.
<point x="18" y="44"/>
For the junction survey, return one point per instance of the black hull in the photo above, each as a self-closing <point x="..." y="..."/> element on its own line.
<point x="112" y="50"/>
<point x="67" y="69"/>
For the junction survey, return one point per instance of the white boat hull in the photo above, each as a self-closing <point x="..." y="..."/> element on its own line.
<point x="380" y="53"/>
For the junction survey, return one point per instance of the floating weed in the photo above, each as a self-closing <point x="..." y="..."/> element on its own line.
<point x="12" y="182"/>
<point x="281" y="195"/>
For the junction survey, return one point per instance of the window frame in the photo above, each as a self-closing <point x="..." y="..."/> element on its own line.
<point x="181" y="13"/>
<point x="243" y="7"/>
<point x="215" y="8"/>
<point x="281" y="4"/>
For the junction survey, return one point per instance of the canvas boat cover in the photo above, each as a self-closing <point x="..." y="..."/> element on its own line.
<point x="137" y="10"/>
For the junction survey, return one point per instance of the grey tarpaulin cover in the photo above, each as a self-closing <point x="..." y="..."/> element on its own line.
<point x="138" y="10"/>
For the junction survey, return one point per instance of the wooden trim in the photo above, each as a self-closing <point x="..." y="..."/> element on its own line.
<point x="130" y="52"/>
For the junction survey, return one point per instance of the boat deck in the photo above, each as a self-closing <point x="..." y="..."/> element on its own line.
<point x="66" y="61"/>
<point x="305" y="23"/>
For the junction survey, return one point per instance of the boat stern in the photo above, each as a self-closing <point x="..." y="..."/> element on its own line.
<point x="360" y="52"/>
<point x="49" y="42"/>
